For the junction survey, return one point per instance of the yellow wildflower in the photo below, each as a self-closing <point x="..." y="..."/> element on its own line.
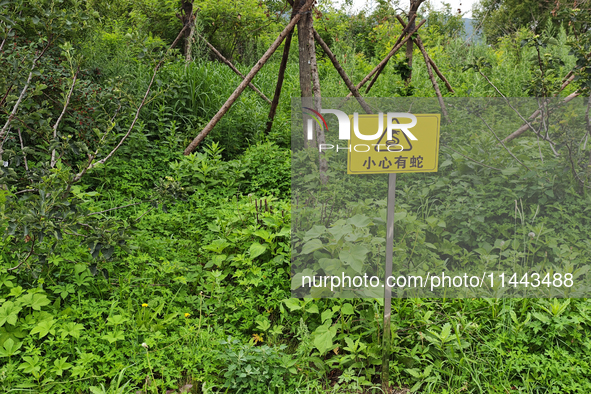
<point x="144" y="305"/>
<point x="187" y="314"/>
<point x="257" y="338"/>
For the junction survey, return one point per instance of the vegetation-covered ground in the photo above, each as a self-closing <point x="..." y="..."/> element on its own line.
<point x="155" y="272"/>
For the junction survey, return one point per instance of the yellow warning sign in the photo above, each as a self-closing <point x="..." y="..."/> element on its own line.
<point x="414" y="148"/>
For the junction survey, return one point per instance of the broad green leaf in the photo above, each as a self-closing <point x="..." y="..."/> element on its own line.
<point x="30" y="364"/>
<point x="510" y="171"/>
<point x="113" y="336"/>
<point x="116" y="319"/>
<point x="326" y="315"/>
<point x="340" y="231"/>
<point x="293" y="304"/>
<point x="5" y="280"/>
<point x="414" y="372"/>
<point x="331" y="266"/>
<point x="359" y="220"/>
<point x="256" y="249"/>
<point x="43" y="328"/>
<point x="323" y="336"/>
<point x="60" y="365"/>
<point x="313" y="309"/>
<point x="347" y="309"/>
<point x="315" y="232"/>
<point x="312" y="246"/>
<point x="264" y="234"/>
<point x="217" y="246"/>
<point x="354" y="256"/>
<point x="35" y="301"/>
<point x="9" y="313"/>
<point x="445" y="331"/>
<point x="10" y="348"/>
<point x="399" y="216"/>
<point x="73" y="329"/>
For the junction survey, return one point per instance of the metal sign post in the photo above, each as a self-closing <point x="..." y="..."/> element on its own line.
<point x="372" y="152"/>
<point x="386" y="338"/>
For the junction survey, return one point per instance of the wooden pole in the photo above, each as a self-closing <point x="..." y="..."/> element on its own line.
<point x="390" y="54"/>
<point x="434" y="82"/>
<point x="305" y="67"/>
<point x="375" y="77"/>
<point x="280" y="78"/>
<point x="354" y="90"/>
<point x="249" y="77"/>
<point x="419" y="43"/>
<point x="229" y="64"/>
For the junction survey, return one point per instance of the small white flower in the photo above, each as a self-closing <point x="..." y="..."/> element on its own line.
<point x="145" y="345"/>
<point x="532" y="234"/>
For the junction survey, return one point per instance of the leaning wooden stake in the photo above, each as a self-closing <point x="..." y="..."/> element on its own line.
<point x="354" y="90"/>
<point x="280" y="77"/>
<point x="249" y="77"/>
<point x="390" y="54"/>
<point x="229" y="64"/>
<point x="375" y="77"/>
<point x="419" y="43"/>
<point x="434" y="82"/>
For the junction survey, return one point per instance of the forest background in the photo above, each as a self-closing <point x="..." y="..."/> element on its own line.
<point x="126" y="266"/>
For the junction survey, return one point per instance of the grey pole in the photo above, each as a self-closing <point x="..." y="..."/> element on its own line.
<point x="386" y="338"/>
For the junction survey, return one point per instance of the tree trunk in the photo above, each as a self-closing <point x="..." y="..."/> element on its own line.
<point x="189" y="41"/>
<point x="414" y="6"/>
<point x="320" y="137"/>
<point x="188" y="20"/>
<point x="304" y="27"/>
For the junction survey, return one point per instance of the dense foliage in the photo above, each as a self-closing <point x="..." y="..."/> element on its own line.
<point x="149" y="271"/>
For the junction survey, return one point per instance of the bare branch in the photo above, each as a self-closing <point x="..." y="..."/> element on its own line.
<point x="116" y="208"/>
<point x="26" y="258"/>
<point x="21" y="97"/>
<point x="280" y="77"/>
<point x="57" y="122"/>
<point x="433" y="81"/>
<point x="501" y="142"/>
<point x="4" y="40"/>
<point x="20" y="137"/>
